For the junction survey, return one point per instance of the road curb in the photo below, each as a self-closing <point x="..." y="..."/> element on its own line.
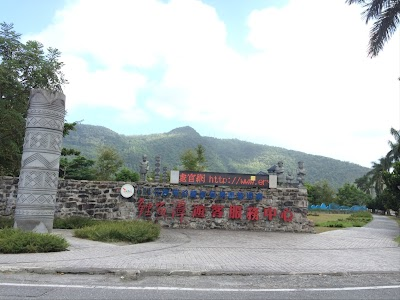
<point x="137" y="274"/>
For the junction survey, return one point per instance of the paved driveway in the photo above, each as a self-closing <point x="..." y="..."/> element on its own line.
<point x="369" y="249"/>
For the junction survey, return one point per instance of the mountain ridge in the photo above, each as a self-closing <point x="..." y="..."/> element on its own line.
<point x="223" y="155"/>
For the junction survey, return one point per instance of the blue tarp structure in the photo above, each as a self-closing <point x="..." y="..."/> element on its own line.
<point x="334" y="206"/>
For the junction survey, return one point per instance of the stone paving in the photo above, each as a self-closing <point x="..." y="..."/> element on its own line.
<point x="369" y="249"/>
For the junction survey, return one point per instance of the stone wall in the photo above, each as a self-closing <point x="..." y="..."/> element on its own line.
<point x="177" y="206"/>
<point x="8" y="195"/>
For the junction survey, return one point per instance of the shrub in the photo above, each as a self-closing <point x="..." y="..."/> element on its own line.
<point x="362" y="214"/>
<point x="127" y="175"/>
<point x="120" y="231"/>
<point x="360" y="217"/>
<point x="358" y="224"/>
<point x="73" y="222"/>
<point x="18" y="241"/>
<point x="338" y="224"/>
<point x="6" y="222"/>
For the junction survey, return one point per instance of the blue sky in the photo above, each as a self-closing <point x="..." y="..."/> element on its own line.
<point x="292" y="74"/>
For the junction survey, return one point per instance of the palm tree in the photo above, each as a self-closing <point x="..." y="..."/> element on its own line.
<point x="394" y="153"/>
<point x="386" y="14"/>
<point x="365" y="184"/>
<point x="376" y="173"/>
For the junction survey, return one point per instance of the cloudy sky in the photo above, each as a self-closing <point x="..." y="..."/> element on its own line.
<point x="286" y="73"/>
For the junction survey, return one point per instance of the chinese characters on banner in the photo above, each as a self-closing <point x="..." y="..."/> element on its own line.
<point x="201" y="194"/>
<point x="236" y="212"/>
<point x="225" y="179"/>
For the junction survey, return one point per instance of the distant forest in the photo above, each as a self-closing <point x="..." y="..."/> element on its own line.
<point x="223" y="155"/>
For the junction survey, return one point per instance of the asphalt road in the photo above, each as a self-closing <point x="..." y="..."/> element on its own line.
<point x="69" y="286"/>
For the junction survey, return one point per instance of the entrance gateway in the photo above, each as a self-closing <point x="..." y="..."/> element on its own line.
<point x="207" y="200"/>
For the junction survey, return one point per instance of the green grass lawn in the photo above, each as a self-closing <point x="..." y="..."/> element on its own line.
<point x="326" y="222"/>
<point x="321" y="217"/>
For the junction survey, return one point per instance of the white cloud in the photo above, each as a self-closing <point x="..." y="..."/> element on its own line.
<point x="327" y="87"/>
<point x="308" y="86"/>
<point x="105" y="87"/>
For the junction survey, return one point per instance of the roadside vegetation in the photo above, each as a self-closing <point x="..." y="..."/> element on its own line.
<point x="132" y="232"/>
<point x="6" y="222"/>
<point x="397" y="219"/>
<point x="109" y="231"/>
<point x="73" y="222"/>
<point x="18" y="241"/>
<point x="325" y="222"/>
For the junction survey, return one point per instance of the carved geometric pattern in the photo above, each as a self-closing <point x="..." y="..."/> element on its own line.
<point x="51" y="179"/>
<point x="39" y="157"/>
<point x="40" y="179"/>
<point x="32" y="198"/>
<point x="34" y="212"/>
<point x="44" y="122"/>
<point x="43" y="140"/>
<point x="46" y="112"/>
<point x="39" y="140"/>
<point x="55" y="142"/>
<point x="33" y="179"/>
<point x="46" y="98"/>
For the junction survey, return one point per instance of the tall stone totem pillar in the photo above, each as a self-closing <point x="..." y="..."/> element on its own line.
<point x="38" y="180"/>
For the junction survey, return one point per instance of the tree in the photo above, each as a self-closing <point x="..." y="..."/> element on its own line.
<point x="376" y="173"/>
<point x="22" y="67"/>
<point x="12" y="131"/>
<point x="350" y="195"/>
<point x="194" y="160"/>
<point x="107" y="164"/>
<point x="374" y="178"/>
<point x="365" y="184"/>
<point x="388" y="202"/>
<point x="127" y="175"/>
<point x="79" y="168"/>
<point x="394" y="154"/>
<point x="391" y="197"/>
<point x="376" y="204"/>
<point x="320" y="192"/>
<point x="386" y="14"/>
<point x="385" y="178"/>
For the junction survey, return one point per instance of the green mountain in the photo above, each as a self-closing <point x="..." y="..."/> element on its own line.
<point x="223" y="155"/>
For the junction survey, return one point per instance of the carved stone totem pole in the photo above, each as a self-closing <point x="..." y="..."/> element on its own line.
<point x="38" y="179"/>
<point x="157" y="169"/>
